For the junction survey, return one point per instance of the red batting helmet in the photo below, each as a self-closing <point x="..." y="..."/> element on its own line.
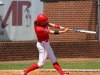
<point x="42" y="19"/>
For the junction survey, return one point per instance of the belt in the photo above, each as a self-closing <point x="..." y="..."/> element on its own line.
<point x="44" y="40"/>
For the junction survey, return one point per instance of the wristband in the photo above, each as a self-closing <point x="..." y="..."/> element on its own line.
<point x="57" y="26"/>
<point x="56" y="32"/>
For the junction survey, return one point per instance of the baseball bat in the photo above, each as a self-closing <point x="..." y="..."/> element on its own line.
<point x="83" y="31"/>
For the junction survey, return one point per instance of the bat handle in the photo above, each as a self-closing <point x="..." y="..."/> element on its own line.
<point x="74" y="30"/>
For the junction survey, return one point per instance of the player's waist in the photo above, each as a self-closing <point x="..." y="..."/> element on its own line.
<point x="43" y="40"/>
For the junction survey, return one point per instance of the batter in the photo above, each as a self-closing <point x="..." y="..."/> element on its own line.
<point x="43" y="45"/>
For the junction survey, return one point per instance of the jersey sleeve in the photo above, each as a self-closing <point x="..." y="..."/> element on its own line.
<point x="46" y="31"/>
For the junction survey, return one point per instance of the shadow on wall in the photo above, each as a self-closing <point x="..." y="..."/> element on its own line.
<point x="3" y="33"/>
<point x="92" y="24"/>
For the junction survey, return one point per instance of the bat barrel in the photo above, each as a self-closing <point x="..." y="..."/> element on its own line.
<point x="83" y="31"/>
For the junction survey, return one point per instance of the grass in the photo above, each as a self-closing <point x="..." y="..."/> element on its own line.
<point x="14" y="66"/>
<point x="48" y="65"/>
<point x="76" y="65"/>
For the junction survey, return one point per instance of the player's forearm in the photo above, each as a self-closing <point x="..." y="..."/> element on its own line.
<point x="63" y="31"/>
<point x="56" y="26"/>
<point x="51" y="24"/>
<point x="58" y="32"/>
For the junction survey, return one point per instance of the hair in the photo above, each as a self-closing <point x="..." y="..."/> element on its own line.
<point x="36" y="23"/>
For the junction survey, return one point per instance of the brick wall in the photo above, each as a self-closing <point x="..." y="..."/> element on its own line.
<point x="10" y="51"/>
<point x="75" y="14"/>
<point x="28" y="51"/>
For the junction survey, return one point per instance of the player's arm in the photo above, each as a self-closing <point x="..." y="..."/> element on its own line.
<point x="56" y="26"/>
<point x="58" y="32"/>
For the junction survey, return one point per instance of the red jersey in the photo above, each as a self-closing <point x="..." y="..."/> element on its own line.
<point x="42" y="32"/>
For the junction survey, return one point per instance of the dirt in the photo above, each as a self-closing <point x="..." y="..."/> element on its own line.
<point x="38" y="72"/>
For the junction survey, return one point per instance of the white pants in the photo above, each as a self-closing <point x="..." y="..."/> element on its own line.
<point x="45" y="51"/>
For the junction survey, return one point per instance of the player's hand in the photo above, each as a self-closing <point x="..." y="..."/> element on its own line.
<point x="66" y="29"/>
<point x="62" y="28"/>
